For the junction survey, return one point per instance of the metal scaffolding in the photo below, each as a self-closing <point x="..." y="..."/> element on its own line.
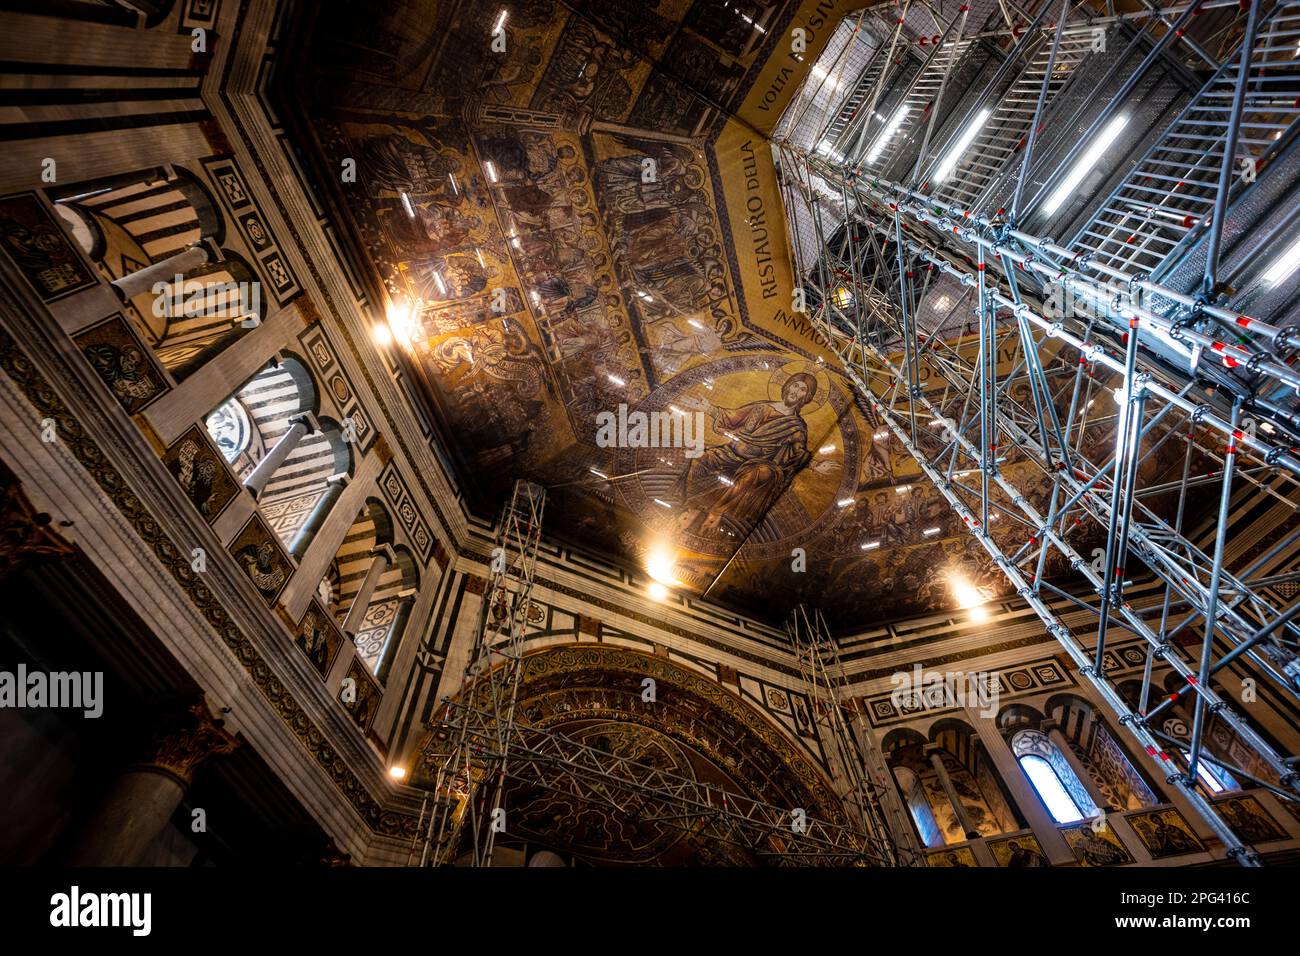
<point x="472" y="758"/>
<point x="1005" y="385"/>
<point x="477" y="745"/>
<point x="875" y="807"/>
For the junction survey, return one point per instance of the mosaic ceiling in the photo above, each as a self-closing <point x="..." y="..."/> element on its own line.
<point x="585" y="224"/>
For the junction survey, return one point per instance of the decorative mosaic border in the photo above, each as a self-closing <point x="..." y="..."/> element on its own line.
<point x="395" y="490"/>
<point x="1032" y="677"/>
<point x="252" y="226"/>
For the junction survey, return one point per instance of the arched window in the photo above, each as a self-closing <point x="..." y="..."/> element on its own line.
<point x="1215" y="779"/>
<point x="1049" y="787"/>
<point x="230" y="429"/>
<point x="1052" y="777"/>
<point x="926" y="825"/>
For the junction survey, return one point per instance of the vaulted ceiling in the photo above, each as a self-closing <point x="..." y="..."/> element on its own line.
<point x="587" y="217"/>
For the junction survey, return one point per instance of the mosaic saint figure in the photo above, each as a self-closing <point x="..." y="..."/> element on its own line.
<point x="123" y="369"/>
<point x="767" y="446"/>
<point x="197" y="473"/>
<point x="260" y="562"/>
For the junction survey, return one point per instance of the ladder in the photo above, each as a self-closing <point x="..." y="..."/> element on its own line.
<point x="470" y="762"/>
<point x="1167" y="199"/>
<point x="859" y="99"/>
<point x="918" y="101"/>
<point x="1000" y="140"/>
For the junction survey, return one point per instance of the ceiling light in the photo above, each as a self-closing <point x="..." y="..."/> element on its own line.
<point x="401" y="322"/>
<point x="826" y="449"/>
<point x="1283" y="265"/>
<point x="1084" y="164"/>
<point x="870" y="545"/>
<point x="968" y="596"/>
<point x="659" y="565"/>
<point x="820" y="73"/>
<point x="662" y="503"/>
<point x="930" y="532"/>
<point x="382" y="334"/>
<point x="844" y="502"/>
<point x="397" y="773"/>
<point x="657" y="591"/>
<point x="959" y="147"/>
<point x="890" y="129"/>
<point x="406" y="202"/>
<point x="491" y="170"/>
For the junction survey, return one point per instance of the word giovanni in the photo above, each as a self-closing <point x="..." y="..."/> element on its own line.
<point x="672" y="429"/>
<point x="77" y="690"/>
<point x="75" y="908"/>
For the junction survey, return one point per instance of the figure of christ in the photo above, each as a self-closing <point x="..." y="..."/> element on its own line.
<point x="767" y="446"/>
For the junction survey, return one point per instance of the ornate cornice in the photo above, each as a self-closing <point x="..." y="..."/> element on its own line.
<point x="175" y="560"/>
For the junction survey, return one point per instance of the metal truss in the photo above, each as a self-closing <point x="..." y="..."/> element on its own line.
<point x="477" y="745"/>
<point x="471" y="771"/>
<point x="648" y="795"/>
<point x="1170" y="370"/>
<point x="823" y="674"/>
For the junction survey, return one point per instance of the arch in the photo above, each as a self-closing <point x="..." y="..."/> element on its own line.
<point x="1101" y="753"/>
<point x="145" y="216"/>
<point x="1014" y="717"/>
<point x="382" y="619"/>
<point x="697" y="728"/>
<point x="973" y="776"/>
<point x="927" y="827"/>
<point x="1051" y="777"/>
<point x="386" y="613"/>
<point x="195" y="316"/>
<point x="130" y="222"/>
<point x="258" y="415"/>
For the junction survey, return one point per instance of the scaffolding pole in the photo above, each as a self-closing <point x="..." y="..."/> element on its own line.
<point x="1152" y="402"/>
<point x="477" y="746"/>
<point x="1182" y="367"/>
<point x="874" y="806"/>
<point x="472" y="762"/>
